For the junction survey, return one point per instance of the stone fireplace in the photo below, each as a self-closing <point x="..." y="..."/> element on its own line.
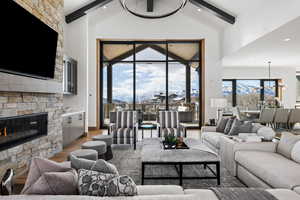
<point x="18" y="130"/>
<point x="17" y="103"/>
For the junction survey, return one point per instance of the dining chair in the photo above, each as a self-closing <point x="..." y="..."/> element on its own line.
<point x="294" y="118"/>
<point x="266" y="116"/>
<point x="281" y="118"/>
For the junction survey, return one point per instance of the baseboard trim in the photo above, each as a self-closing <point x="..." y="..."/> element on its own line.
<point x="92" y="128"/>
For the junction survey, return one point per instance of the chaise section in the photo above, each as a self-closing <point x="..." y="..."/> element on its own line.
<point x="274" y="169"/>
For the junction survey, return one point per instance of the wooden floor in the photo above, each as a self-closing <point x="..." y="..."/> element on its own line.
<point x="61" y="156"/>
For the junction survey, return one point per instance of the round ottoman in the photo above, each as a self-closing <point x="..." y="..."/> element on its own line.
<point x="108" y="140"/>
<point x="89" y="154"/>
<point x="99" y="146"/>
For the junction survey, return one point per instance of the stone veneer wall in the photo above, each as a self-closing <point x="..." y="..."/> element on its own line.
<point x="15" y="103"/>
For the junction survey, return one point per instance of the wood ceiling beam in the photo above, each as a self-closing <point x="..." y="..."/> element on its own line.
<point x="82" y="11"/>
<point x="214" y="10"/>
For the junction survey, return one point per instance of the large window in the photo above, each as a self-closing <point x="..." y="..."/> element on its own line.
<point x="250" y="94"/>
<point x="149" y="77"/>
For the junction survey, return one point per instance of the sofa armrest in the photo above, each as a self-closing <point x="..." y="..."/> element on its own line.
<point x="208" y="129"/>
<point x="159" y="190"/>
<point x="256" y="146"/>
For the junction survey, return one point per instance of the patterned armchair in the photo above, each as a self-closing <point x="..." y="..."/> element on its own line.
<point x="124" y="130"/>
<point x="169" y="124"/>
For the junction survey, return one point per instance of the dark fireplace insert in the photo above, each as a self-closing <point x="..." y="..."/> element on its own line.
<point x="20" y="129"/>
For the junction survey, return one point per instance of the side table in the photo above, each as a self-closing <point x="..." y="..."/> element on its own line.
<point x="147" y="126"/>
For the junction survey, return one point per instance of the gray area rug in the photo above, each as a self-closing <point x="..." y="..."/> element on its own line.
<point x="128" y="163"/>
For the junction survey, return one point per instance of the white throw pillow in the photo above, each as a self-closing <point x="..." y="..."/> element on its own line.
<point x="267" y="133"/>
<point x="296" y="152"/>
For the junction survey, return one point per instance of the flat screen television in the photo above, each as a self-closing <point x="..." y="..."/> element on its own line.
<point x="27" y="45"/>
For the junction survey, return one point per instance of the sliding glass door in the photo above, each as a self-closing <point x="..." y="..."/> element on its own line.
<point x="150" y="77"/>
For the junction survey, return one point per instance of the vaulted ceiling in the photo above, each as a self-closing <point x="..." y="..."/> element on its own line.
<point x="75" y="9"/>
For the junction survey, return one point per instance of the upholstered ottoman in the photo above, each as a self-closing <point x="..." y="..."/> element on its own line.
<point x="89" y="154"/>
<point x="108" y="140"/>
<point x="99" y="146"/>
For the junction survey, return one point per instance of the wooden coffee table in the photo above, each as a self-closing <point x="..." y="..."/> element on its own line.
<point x="197" y="154"/>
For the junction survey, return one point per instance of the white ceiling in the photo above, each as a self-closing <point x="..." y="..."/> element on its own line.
<point x="270" y="47"/>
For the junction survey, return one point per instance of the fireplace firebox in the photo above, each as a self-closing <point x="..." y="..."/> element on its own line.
<point x="20" y="129"/>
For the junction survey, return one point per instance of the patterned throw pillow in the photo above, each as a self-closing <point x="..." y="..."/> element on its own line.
<point x="121" y="186"/>
<point x="228" y="125"/>
<point x="94" y="183"/>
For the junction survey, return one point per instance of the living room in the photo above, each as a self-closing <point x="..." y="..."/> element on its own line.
<point x="150" y="99"/>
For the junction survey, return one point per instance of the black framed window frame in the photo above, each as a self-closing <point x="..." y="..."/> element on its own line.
<point x="262" y="90"/>
<point x="135" y="61"/>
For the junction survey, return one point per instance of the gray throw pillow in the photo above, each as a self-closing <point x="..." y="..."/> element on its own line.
<point x="94" y="183"/>
<point x="38" y="167"/>
<point x="81" y="163"/>
<point x="55" y="183"/>
<point x="104" y="167"/>
<point x="240" y="127"/>
<point x="287" y="143"/>
<point x="221" y="125"/>
<point x="228" y="125"/>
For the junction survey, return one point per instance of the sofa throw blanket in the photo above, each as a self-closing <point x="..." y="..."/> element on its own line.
<point x="242" y="193"/>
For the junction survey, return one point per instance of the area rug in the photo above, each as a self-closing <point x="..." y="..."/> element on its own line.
<point x="128" y="163"/>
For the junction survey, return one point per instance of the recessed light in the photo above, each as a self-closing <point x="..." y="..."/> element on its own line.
<point x="287" y="39"/>
<point x="199" y="9"/>
<point x="104" y="7"/>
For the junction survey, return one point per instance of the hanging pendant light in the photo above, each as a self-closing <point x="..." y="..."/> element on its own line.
<point x="162" y="10"/>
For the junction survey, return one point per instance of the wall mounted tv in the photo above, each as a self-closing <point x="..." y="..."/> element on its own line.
<point x="27" y="45"/>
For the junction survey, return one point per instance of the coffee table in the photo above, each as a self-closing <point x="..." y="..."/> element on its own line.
<point x="197" y="154"/>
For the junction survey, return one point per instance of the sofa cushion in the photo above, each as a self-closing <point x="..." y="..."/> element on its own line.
<point x="286" y="144"/>
<point x="159" y="190"/>
<point x="296" y="152"/>
<point x="273" y="168"/>
<point x="221" y="124"/>
<point x="212" y="138"/>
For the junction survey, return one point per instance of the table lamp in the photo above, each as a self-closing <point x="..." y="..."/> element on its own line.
<point x="218" y="103"/>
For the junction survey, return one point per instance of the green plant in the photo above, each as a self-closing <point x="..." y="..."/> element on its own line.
<point x="170" y="139"/>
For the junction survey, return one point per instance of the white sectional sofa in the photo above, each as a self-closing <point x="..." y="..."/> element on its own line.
<point x="257" y="164"/>
<point x="261" y="165"/>
<point x="156" y="192"/>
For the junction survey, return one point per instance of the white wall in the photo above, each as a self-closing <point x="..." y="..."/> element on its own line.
<point x="110" y="24"/>
<point x="260" y="18"/>
<point x="287" y="74"/>
<point x="76" y="46"/>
